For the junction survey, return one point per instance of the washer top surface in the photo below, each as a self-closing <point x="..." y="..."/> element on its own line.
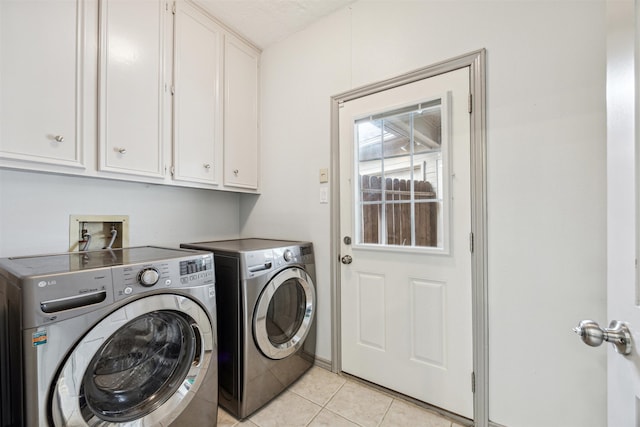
<point x="77" y="261"/>
<point x="242" y="245"/>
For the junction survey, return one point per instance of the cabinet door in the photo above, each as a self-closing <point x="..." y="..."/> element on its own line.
<point x="197" y="131"/>
<point x="240" y="115"/>
<point x="132" y="79"/>
<point x="41" y="57"/>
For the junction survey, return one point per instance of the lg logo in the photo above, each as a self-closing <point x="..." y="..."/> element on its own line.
<point x="44" y="283"/>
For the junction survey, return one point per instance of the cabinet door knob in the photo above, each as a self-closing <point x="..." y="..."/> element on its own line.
<point x="59" y="138"/>
<point x="207" y="166"/>
<point x="122" y="150"/>
<point x="235" y="172"/>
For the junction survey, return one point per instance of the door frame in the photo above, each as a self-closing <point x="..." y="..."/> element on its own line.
<point x="476" y="61"/>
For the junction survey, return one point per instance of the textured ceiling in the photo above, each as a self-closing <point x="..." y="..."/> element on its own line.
<point x="264" y="22"/>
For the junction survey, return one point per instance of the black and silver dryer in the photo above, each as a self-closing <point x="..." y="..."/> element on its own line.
<point x="266" y="303"/>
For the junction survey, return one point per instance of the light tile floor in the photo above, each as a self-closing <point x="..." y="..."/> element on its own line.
<point x="324" y="399"/>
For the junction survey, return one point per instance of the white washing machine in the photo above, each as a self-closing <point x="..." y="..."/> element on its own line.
<point x="123" y="337"/>
<point x="266" y="318"/>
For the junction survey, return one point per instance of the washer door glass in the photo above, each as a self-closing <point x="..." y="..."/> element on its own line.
<point x="138" y="368"/>
<point x="284" y="313"/>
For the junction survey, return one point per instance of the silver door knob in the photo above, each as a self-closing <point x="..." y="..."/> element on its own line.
<point x="347" y="259"/>
<point x="207" y="166"/>
<point x="617" y="334"/>
<point x="122" y="151"/>
<point x="59" y="138"/>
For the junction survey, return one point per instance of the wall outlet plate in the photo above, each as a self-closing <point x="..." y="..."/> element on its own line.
<point x="99" y="227"/>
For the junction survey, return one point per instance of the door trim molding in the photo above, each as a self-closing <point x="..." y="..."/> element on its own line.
<point x="476" y="61"/>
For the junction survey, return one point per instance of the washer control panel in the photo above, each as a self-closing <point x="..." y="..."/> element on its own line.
<point x="148" y="276"/>
<point x="175" y="273"/>
<point x="197" y="269"/>
<point x="60" y="286"/>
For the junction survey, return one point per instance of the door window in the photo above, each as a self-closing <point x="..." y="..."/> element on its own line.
<point x="401" y="165"/>
<point x="138" y="368"/>
<point x="284" y="313"/>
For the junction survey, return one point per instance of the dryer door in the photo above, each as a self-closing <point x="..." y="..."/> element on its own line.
<point x="284" y="313"/>
<point x="141" y="365"/>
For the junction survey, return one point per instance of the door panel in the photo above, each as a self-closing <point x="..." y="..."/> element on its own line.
<point x="427" y="322"/>
<point x="371" y="302"/>
<point x="623" y="294"/>
<point x="406" y="297"/>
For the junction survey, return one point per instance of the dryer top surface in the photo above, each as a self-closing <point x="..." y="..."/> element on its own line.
<point x="242" y="245"/>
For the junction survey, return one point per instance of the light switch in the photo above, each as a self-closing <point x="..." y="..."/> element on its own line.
<point x="324" y="195"/>
<point x="324" y="175"/>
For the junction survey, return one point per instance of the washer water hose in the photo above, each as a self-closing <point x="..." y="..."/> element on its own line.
<point x="114" y="234"/>
<point x="86" y="239"/>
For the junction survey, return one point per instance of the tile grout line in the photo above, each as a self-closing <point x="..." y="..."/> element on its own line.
<point x="330" y="398"/>
<point x="386" y="411"/>
<point x="324" y="405"/>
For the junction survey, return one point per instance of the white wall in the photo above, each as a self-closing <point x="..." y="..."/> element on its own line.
<point x="35" y="209"/>
<point x="546" y="173"/>
<point x="297" y="78"/>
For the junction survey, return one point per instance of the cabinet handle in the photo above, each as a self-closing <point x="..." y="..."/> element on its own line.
<point x="59" y="138"/>
<point x="207" y="166"/>
<point x="235" y="172"/>
<point x="122" y="150"/>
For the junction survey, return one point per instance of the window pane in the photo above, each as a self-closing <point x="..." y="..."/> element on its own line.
<point x="370" y="137"/>
<point x="400" y="169"/>
<point x="371" y="191"/>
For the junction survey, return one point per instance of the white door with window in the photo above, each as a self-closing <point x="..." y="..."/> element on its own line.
<point x="405" y="223"/>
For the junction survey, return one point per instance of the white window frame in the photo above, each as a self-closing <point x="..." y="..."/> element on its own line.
<point x="447" y="174"/>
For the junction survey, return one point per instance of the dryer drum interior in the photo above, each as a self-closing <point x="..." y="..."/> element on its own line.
<point x="284" y="313"/>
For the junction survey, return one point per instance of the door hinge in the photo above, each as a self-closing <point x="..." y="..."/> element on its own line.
<point x="173" y="90"/>
<point x="173" y="8"/>
<point x="473" y="382"/>
<point x="470" y="103"/>
<point x="471" y="242"/>
<point x="173" y="170"/>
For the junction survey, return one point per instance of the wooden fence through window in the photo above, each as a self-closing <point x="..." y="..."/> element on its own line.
<point x="397" y="205"/>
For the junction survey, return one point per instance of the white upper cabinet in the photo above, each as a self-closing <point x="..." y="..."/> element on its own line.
<point x="197" y="100"/>
<point x="132" y="86"/>
<point x="128" y="90"/>
<point x="41" y="87"/>
<point x="240" y="114"/>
